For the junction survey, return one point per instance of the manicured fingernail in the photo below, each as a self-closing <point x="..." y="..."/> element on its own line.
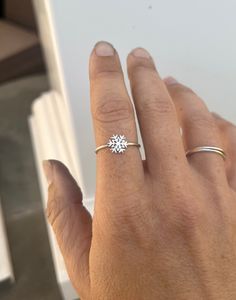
<point x="104" y="49"/>
<point x="47" y="167"/>
<point x="140" y="52"/>
<point x="170" y="80"/>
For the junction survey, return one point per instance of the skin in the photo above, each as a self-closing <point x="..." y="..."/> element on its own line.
<point x="163" y="228"/>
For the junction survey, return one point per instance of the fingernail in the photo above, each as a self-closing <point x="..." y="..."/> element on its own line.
<point x="104" y="49"/>
<point x="47" y="167"/>
<point x="170" y="80"/>
<point x="140" y="52"/>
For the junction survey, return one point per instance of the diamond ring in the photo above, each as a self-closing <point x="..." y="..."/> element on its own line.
<point x="117" y="144"/>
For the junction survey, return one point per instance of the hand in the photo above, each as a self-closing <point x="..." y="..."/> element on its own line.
<point x="163" y="228"/>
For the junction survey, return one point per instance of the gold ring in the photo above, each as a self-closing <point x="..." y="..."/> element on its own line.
<point x="211" y="149"/>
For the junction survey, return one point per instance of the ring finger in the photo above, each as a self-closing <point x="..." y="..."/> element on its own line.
<point x="199" y="129"/>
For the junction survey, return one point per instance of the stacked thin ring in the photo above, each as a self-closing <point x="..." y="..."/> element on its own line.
<point x="211" y="149"/>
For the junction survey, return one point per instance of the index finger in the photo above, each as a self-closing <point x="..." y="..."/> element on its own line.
<point x="113" y="114"/>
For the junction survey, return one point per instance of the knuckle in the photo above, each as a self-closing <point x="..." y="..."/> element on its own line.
<point x="188" y="215"/>
<point x="56" y="210"/>
<point x="179" y="89"/>
<point x="156" y="105"/>
<point x="104" y="75"/>
<point x="112" y="109"/>
<point x="141" y="69"/>
<point x="201" y="119"/>
<point x="135" y="227"/>
<point x="53" y="211"/>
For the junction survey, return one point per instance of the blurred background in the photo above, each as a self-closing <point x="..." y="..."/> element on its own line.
<point x="23" y="78"/>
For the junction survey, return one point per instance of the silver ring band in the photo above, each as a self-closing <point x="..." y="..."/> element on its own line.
<point x="106" y="146"/>
<point x="211" y="149"/>
<point x="118" y="144"/>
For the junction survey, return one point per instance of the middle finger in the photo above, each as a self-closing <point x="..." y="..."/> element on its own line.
<point x="156" y="114"/>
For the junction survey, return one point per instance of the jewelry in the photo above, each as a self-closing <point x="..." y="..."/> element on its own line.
<point x="217" y="150"/>
<point x="117" y="144"/>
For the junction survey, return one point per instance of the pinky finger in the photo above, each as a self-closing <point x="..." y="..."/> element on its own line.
<point x="228" y="137"/>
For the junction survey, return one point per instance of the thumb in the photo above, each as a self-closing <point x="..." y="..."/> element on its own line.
<point x="71" y="222"/>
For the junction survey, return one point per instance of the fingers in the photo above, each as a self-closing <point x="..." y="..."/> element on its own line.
<point x="199" y="129"/>
<point x="156" y="114"/>
<point x="70" y="221"/>
<point x="228" y="137"/>
<point x="113" y="114"/>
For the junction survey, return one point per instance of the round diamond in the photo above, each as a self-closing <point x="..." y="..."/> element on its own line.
<point x="117" y="143"/>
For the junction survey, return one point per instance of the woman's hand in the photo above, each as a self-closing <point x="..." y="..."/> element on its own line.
<point x="163" y="228"/>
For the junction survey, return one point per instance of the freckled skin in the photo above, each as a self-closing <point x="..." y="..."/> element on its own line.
<point x="163" y="228"/>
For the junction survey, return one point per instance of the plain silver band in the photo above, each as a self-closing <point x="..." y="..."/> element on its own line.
<point x="106" y="146"/>
<point x="217" y="150"/>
